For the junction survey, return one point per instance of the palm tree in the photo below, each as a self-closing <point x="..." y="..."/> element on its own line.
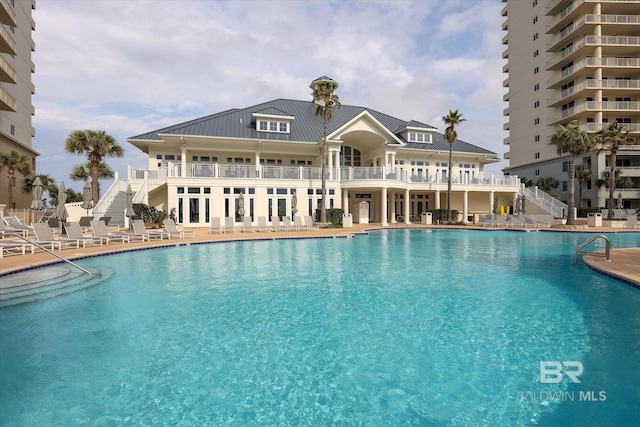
<point x="83" y="172"/>
<point x="611" y="139"/>
<point x="14" y="162"/>
<point x="325" y="98"/>
<point x="577" y="142"/>
<point x="583" y="174"/>
<point x="453" y="119"/>
<point x="547" y="183"/>
<point x="96" y="145"/>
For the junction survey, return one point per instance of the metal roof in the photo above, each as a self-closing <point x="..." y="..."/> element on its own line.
<point x="306" y="127"/>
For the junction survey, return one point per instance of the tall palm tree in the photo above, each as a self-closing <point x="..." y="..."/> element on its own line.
<point x="14" y="162"/>
<point x="96" y="145"/>
<point x="452" y="120"/>
<point x="83" y="172"/>
<point x="583" y="174"/>
<point x="325" y="98"/>
<point x="611" y="139"/>
<point x="577" y="142"/>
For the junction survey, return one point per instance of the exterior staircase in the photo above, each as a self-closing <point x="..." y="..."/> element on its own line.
<point x="545" y="202"/>
<point x="116" y="209"/>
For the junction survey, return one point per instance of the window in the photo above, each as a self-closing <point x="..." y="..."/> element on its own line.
<point x="537" y="172"/>
<point x="535" y="19"/>
<point x="169" y="157"/>
<point x="263" y="125"/>
<point x="536" y="87"/>
<point x="565" y="166"/>
<point x="536" y="104"/>
<point x="419" y="137"/>
<point x="536" y="53"/>
<point x="536" y="138"/>
<point x="13" y="130"/>
<point x="535" y="36"/>
<point x="565" y="186"/>
<point x="273" y="126"/>
<point x="536" y="70"/>
<point x="535" y="3"/>
<point x="537" y="155"/>
<point x="536" y="121"/>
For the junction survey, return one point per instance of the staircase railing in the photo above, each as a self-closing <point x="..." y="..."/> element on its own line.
<point x="544" y="201"/>
<point x="101" y="207"/>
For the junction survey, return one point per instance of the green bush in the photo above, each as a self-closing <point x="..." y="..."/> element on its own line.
<point x="334" y="217"/>
<point x="441" y="215"/>
<point x="583" y="212"/>
<point x="149" y="214"/>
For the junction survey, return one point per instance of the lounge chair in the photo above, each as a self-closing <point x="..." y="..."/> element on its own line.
<point x="501" y="221"/>
<point x="247" y="227"/>
<point x="85" y="223"/>
<point x="287" y="224"/>
<point x="486" y="220"/>
<point x="215" y="226"/>
<point x="44" y="235"/>
<point x="106" y="220"/>
<point x="99" y="229"/>
<point x="276" y="225"/>
<point x="74" y="231"/>
<point x="515" y="221"/>
<point x="530" y="221"/>
<point x="228" y="225"/>
<point x="140" y="229"/>
<point x="298" y="225"/>
<point x="262" y="224"/>
<point x="308" y="222"/>
<point x="172" y="229"/>
<point x="13" y="224"/>
<point x="632" y="222"/>
<point x="14" y="248"/>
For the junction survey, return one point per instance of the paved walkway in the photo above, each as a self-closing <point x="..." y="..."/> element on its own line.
<point x="624" y="264"/>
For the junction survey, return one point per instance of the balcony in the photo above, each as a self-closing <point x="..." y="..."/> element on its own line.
<point x="7" y="44"/>
<point x="595" y="127"/>
<point x="613" y="62"/>
<point x="7" y="102"/>
<point x="7" y="14"/>
<point x="7" y="73"/>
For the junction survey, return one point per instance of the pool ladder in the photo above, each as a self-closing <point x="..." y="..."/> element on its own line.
<point x="606" y="253"/>
<point x="49" y="251"/>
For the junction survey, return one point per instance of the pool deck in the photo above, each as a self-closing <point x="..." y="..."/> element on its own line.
<point x="624" y="264"/>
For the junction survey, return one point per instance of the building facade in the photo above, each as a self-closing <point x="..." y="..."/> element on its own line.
<point x="263" y="155"/>
<point x="572" y="60"/>
<point x="16" y="90"/>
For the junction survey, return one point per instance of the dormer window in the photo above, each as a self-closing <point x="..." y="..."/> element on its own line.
<point x="419" y="137"/>
<point x="272" y="126"/>
<point x="271" y="122"/>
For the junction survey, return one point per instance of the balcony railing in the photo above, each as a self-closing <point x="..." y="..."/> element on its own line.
<point x="342" y="174"/>
<point x="595" y="127"/>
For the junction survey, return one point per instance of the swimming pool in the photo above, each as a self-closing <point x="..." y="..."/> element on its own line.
<point x="424" y="327"/>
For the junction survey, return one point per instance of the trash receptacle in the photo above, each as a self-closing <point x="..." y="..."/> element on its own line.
<point x="426" y="218"/>
<point x="347" y="220"/>
<point x="594" y="219"/>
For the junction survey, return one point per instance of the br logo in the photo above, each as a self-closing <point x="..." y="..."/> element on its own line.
<point x="551" y="371"/>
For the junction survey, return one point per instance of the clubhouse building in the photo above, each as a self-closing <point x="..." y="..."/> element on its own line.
<point x="265" y="160"/>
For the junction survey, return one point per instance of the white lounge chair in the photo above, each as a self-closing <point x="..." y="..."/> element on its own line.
<point x="99" y="229"/>
<point x="632" y="222"/>
<point x="486" y="220"/>
<point x="74" y="231"/>
<point x="172" y="229"/>
<point x="14" y="248"/>
<point x="308" y="222"/>
<point x="14" y="225"/>
<point x="141" y="230"/>
<point x="515" y="221"/>
<point x="500" y="221"/>
<point x="215" y="226"/>
<point x="262" y="224"/>
<point x="287" y="224"/>
<point x="276" y="225"/>
<point x="299" y="225"/>
<point x="247" y="227"/>
<point x="44" y="235"/>
<point x="229" y="227"/>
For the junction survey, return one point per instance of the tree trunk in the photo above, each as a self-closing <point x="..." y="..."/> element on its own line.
<point x="612" y="182"/>
<point x="571" y="220"/>
<point x="323" y="208"/>
<point x="10" y="189"/>
<point x="94" y="183"/>
<point x="449" y="183"/>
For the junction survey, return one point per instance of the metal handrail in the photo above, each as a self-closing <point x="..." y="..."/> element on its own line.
<point x="590" y="240"/>
<point x="47" y="250"/>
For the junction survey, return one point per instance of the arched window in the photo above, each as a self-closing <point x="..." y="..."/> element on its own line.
<point x="350" y="156"/>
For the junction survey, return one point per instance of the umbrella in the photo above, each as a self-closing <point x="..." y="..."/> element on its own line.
<point x="130" y="212"/>
<point x="495" y="205"/>
<point x="619" y="204"/>
<point x="36" y="203"/>
<point x="522" y="203"/>
<point x="518" y="205"/>
<point x="241" y="204"/>
<point x="61" y="212"/>
<point x="87" y="195"/>
<point x="294" y="204"/>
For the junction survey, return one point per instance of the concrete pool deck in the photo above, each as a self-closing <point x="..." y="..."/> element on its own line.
<point x="624" y="264"/>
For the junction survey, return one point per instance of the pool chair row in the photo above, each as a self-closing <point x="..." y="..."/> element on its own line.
<point x="521" y="221"/>
<point x="298" y="224"/>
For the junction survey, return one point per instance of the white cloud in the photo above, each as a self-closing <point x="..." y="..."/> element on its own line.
<point x="131" y="67"/>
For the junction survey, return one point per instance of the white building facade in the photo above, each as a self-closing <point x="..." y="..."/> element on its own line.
<point x="267" y="153"/>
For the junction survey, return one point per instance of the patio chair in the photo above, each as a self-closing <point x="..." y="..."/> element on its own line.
<point x="6" y="230"/>
<point x="85" y="223"/>
<point x="308" y="222"/>
<point x="299" y="225"/>
<point x="486" y="220"/>
<point x="530" y="221"/>
<point x="13" y="224"/>
<point x="276" y="224"/>
<point x="106" y="220"/>
<point x="247" y="227"/>
<point x="99" y="229"/>
<point x="14" y="248"/>
<point x="287" y="224"/>
<point x="228" y="225"/>
<point x="74" y="231"/>
<point x="44" y="235"/>
<point x="215" y="226"/>
<point x="172" y="229"/>
<point x="632" y="222"/>
<point x="501" y="221"/>
<point x="140" y="229"/>
<point x="262" y="224"/>
<point x="515" y="221"/>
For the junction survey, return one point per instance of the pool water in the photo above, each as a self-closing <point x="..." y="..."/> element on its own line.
<point x="401" y="327"/>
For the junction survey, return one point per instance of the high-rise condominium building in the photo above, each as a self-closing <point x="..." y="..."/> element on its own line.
<point x="16" y="90"/>
<point x="572" y="61"/>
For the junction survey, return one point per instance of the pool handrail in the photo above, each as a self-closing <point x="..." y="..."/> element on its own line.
<point x="606" y="253"/>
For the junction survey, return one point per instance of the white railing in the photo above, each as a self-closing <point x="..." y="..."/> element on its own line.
<point x="105" y="201"/>
<point x="544" y="201"/>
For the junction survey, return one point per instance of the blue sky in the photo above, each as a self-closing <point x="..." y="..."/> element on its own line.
<point x="128" y="67"/>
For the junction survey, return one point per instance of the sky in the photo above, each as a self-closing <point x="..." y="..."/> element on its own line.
<point x="132" y="66"/>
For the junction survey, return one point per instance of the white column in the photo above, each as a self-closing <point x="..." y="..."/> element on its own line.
<point x="491" y="197"/>
<point x="337" y="164"/>
<point x="330" y="166"/>
<point x="257" y="160"/>
<point x="183" y="162"/>
<point x="437" y="200"/>
<point x="345" y="201"/>
<point x="383" y="207"/>
<point x="465" y="207"/>
<point x="392" y="203"/>
<point x="407" y="213"/>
